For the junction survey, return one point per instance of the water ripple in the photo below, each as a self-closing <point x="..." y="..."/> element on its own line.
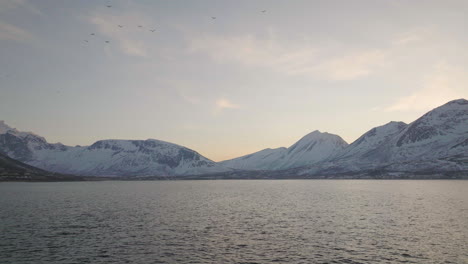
<point x="314" y="221"/>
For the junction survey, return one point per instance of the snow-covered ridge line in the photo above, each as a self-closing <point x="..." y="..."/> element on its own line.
<point x="310" y="149"/>
<point x="440" y="133"/>
<point x="438" y="137"/>
<point x="434" y="142"/>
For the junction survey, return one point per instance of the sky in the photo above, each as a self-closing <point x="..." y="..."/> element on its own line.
<point x="223" y="77"/>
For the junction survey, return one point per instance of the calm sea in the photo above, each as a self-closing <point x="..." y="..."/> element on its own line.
<point x="238" y="221"/>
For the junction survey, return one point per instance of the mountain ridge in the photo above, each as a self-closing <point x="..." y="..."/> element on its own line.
<point x="437" y="142"/>
<point x="311" y="148"/>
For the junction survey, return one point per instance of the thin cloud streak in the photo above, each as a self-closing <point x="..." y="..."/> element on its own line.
<point x="251" y="51"/>
<point x="6" y="5"/>
<point x="10" y="32"/>
<point x="446" y="84"/>
<point x="349" y="67"/>
<point x="304" y="59"/>
<point x="413" y="36"/>
<point x="223" y="103"/>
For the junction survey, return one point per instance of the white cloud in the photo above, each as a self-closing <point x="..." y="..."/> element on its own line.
<point x="349" y="67"/>
<point x="445" y="84"/>
<point x="11" y="32"/>
<point x="301" y="59"/>
<point x="223" y="103"/>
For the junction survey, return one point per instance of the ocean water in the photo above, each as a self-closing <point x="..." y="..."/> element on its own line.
<point x="235" y="221"/>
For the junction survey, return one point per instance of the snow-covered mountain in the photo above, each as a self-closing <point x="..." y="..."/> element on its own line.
<point x="310" y="149"/>
<point x="440" y="133"/>
<point x="437" y="141"/>
<point x="105" y="157"/>
<point x="366" y="145"/>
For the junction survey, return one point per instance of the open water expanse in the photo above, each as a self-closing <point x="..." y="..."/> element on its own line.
<point x="238" y="221"/>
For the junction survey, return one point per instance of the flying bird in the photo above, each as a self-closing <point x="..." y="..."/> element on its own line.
<point x="263" y="11"/>
<point x="213" y="17"/>
<point x="107" y="41"/>
<point x="152" y="30"/>
<point x="92" y="34"/>
<point x="140" y="26"/>
<point x="85" y="40"/>
<point x="109" y="6"/>
<point x="120" y="26"/>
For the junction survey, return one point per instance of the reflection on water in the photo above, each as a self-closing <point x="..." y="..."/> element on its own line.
<point x="309" y="221"/>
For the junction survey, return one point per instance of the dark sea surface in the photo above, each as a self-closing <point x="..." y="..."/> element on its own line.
<point x="235" y="221"/>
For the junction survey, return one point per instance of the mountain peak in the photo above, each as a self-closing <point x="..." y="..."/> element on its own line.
<point x="460" y="101"/>
<point x="436" y="125"/>
<point x="316" y="135"/>
<point x="4" y="128"/>
<point x="454" y="105"/>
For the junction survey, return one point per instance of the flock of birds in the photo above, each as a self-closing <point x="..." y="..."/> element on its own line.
<point x="2" y="76"/>
<point x="120" y="26"/>
<point x="140" y="26"/>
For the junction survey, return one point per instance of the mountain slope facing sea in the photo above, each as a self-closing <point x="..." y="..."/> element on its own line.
<point x="106" y="157"/>
<point x="13" y="170"/>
